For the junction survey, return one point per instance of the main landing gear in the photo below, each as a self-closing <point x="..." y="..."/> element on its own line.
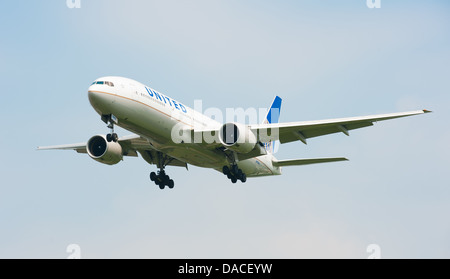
<point x="234" y="173"/>
<point x="110" y="120"/>
<point x="162" y="179"/>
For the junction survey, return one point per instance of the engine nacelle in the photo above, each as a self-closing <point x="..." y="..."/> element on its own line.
<point x="105" y="152"/>
<point x="237" y="137"/>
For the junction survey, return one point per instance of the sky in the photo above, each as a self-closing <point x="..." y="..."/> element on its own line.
<point x="326" y="59"/>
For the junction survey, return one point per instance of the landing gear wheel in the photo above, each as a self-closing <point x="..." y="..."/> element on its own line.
<point x="239" y="174"/>
<point x="243" y="178"/>
<point x="234" y="173"/>
<point x="110" y="119"/>
<point x="114" y="137"/>
<point x="226" y="170"/>
<point x="160" y="177"/>
<point x="152" y="176"/>
<point x="162" y="180"/>
<point x="171" y="184"/>
<point x="234" y="169"/>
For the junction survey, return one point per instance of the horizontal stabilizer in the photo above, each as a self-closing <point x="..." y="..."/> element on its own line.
<point x="299" y="162"/>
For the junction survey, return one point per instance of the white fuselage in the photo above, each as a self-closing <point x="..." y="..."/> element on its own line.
<point x="152" y="115"/>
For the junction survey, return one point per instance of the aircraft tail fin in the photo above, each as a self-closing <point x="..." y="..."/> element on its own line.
<point x="273" y="116"/>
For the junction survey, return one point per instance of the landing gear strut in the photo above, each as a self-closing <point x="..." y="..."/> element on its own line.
<point x="161" y="178"/>
<point x="110" y="120"/>
<point x="234" y="173"/>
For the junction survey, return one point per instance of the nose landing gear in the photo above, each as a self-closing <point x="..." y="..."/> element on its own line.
<point x="110" y="119"/>
<point x="112" y="137"/>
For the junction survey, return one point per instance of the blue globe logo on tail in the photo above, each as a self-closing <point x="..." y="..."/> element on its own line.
<point x="273" y="116"/>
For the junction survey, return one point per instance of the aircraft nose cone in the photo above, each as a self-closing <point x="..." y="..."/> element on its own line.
<point x="93" y="96"/>
<point x="100" y="101"/>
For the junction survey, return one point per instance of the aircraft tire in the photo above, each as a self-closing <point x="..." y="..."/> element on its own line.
<point x="171" y="184"/>
<point x="152" y="176"/>
<point x="243" y="178"/>
<point x="239" y="174"/>
<point x="234" y="169"/>
<point x="226" y="170"/>
<point x="114" y="137"/>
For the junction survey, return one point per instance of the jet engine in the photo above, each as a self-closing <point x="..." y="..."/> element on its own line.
<point x="105" y="152"/>
<point x="237" y="137"/>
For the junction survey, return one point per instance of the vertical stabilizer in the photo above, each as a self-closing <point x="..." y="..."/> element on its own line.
<point x="273" y="116"/>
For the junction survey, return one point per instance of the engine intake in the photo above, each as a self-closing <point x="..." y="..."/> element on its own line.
<point x="237" y="137"/>
<point x="102" y="151"/>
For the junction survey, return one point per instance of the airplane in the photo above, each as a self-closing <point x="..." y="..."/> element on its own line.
<point x="168" y="133"/>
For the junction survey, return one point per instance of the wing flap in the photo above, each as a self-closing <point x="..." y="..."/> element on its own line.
<point x="295" y="133"/>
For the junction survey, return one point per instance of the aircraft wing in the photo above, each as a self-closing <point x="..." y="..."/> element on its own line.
<point x="131" y="145"/>
<point x="292" y="131"/>
<point x="78" y="147"/>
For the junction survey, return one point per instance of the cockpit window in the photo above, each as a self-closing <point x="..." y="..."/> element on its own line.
<point x="109" y="83"/>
